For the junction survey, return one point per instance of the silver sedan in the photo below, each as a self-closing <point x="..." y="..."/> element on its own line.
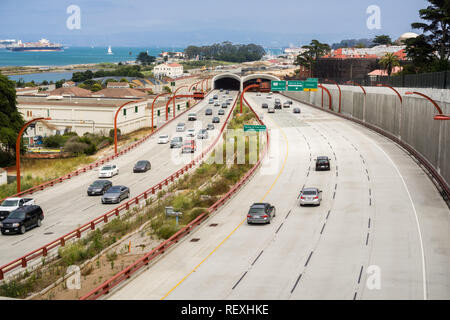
<point x="310" y="196"/>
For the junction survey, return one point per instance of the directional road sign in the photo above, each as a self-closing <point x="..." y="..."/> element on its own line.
<point x="278" y="86"/>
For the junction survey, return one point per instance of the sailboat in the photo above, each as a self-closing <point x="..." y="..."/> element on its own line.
<point x="109" y="50"/>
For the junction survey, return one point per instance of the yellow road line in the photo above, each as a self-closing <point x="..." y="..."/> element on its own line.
<point x="240" y="224"/>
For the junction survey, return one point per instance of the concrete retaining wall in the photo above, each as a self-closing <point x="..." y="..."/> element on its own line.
<point x="411" y="121"/>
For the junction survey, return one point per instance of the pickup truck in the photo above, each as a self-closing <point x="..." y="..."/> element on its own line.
<point x="11" y="204"/>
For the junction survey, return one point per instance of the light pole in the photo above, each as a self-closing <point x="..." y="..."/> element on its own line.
<point x="115" y="122"/>
<point x="392" y="88"/>
<point x="175" y="93"/>
<point x="365" y="95"/>
<point x="246" y="89"/>
<point x="193" y="85"/>
<point x="173" y="98"/>
<point x="18" y="141"/>
<point x="340" y="93"/>
<point x="330" y="100"/>
<point x="153" y="105"/>
<point x="440" y="115"/>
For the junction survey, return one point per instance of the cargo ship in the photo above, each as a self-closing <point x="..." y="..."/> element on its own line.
<point x="42" y="45"/>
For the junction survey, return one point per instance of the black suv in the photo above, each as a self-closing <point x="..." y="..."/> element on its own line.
<point x="99" y="187"/>
<point x="322" y="163"/>
<point x="265" y="106"/>
<point x="261" y="213"/>
<point x="22" y="219"/>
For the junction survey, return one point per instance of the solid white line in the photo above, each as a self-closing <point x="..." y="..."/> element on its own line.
<point x="424" y="279"/>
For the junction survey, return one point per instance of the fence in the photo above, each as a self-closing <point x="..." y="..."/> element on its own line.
<point x="125" y="274"/>
<point x="436" y="80"/>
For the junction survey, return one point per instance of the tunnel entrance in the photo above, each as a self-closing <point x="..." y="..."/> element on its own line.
<point x="227" y="83"/>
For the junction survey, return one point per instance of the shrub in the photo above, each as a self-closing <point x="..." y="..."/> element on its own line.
<point x="167" y="230"/>
<point x="72" y="253"/>
<point x="75" y="147"/>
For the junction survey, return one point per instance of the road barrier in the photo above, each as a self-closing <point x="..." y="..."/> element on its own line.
<point x="43" y="251"/>
<point x="125" y="274"/>
<point x="95" y="164"/>
<point x="437" y="178"/>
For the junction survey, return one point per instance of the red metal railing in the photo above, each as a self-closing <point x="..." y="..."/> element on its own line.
<point x="160" y="249"/>
<point x="22" y="262"/>
<point x="93" y="165"/>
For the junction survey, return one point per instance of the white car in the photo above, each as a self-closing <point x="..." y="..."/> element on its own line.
<point x="107" y="171"/>
<point x="271" y="110"/>
<point x="181" y="127"/>
<point x="163" y="139"/>
<point x="11" y="204"/>
<point x="190" y="133"/>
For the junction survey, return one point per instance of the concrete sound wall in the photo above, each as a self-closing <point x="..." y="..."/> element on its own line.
<point x="411" y="121"/>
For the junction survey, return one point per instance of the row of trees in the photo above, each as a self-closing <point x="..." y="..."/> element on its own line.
<point x="226" y="51"/>
<point x="120" y="71"/>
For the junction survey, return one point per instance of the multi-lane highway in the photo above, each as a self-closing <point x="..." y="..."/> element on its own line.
<point x="67" y="206"/>
<point x="381" y="231"/>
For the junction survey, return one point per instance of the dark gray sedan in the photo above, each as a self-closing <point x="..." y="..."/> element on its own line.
<point x="216" y="120"/>
<point x="261" y="213"/>
<point x="116" y="194"/>
<point x="221" y="112"/>
<point x="99" y="187"/>
<point x="142" y="166"/>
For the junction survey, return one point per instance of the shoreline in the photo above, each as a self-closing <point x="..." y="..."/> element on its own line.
<point x="24" y="70"/>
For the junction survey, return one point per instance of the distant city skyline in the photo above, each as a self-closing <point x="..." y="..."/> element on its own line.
<point x="182" y="23"/>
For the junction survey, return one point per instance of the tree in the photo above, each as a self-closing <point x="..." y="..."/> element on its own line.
<point x="383" y="39"/>
<point x="145" y="59"/>
<point x="389" y="61"/>
<point x="167" y="89"/>
<point x="420" y="53"/>
<point x="11" y="120"/>
<point x="315" y="50"/>
<point x="436" y="31"/>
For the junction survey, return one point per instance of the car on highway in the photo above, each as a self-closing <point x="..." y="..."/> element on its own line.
<point x="215" y="97"/>
<point x="265" y="106"/>
<point x="163" y="139"/>
<point x="277" y="104"/>
<point x="99" y="187"/>
<point x="210" y="126"/>
<point x="142" y="166"/>
<point x="258" y="94"/>
<point x="116" y="194"/>
<point x="221" y="90"/>
<point x="22" y="219"/>
<point x="297" y="110"/>
<point x="227" y="92"/>
<point x="310" y="196"/>
<point x="271" y="110"/>
<point x="189" y="147"/>
<point x="323" y="164"/>
<point x="11" y="204"/>
<point x="190" y="133"/>
<point x="261" y="213"/>
<point x="216" y="104"/>
<point x="108" y="171"/>
<point x="177" y="142"/>
<point x="216" y="120"/>
<point x="181" y="127"/>
<point x="286" y="105"/>
<point x="269" y="97"/>
<point x="211" y="101"/>
<point x="221" y="112"/>
<point x="290" y="102"/>
<point x="202" y="134"/>
<point x="208" y="112"/>
<point x="192" y="117"/>
<point x="224" y="105"/>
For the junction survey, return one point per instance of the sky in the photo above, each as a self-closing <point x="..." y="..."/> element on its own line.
<point x="178" y="23"/>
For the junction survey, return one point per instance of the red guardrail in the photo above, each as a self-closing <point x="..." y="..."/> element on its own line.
<point x="93" y="165"/>
<point x="160" y="249"/>
<point x="22" y="262"/>
<point x="430" y="168"/>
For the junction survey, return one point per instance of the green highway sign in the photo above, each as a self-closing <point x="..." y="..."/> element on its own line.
<point x="295" y="85"/>
<point x="311" y="84"/>
<point x="172" y="84"/>
<point x="278" y="86"/>
<point x="255" y="128"/>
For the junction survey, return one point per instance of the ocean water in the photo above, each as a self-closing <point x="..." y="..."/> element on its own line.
<point x="76" y="55"/>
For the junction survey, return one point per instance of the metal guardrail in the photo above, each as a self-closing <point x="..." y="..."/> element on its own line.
<point x="95" y="164"/>
<point x="43" y="251"/>
<point x="440" y="181"/>
<point x="125" y="274"/>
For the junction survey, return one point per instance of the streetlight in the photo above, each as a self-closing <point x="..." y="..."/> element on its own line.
<point x="115" y="122"/>
<point x="340" y="93"/>
<point x="194" y="85"/>
<point x="357" y="84"/>
<point x="175" y="93"/>
<point x="439" y="116"/>
<point x="173" y="98"/>
<point x="246" y="89"/>
<point x="153" y="105"/>
<point x="392" y="88"/>
<point x="330" y="101"/>
<point x="18" y="141"/>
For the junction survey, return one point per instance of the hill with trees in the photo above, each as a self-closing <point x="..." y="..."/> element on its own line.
<point x="226" y="51"/>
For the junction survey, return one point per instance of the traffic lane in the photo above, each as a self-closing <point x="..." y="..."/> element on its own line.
<point x="395" y="227"/>
<point x="181" y="261"/>
<point x="63" y="216"/>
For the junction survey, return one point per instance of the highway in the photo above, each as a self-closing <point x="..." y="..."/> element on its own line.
<point x="381" y="232"/>
<point x="67" y="206"/>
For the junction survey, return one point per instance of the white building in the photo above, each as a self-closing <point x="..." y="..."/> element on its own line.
<point x="172" y="70"/>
